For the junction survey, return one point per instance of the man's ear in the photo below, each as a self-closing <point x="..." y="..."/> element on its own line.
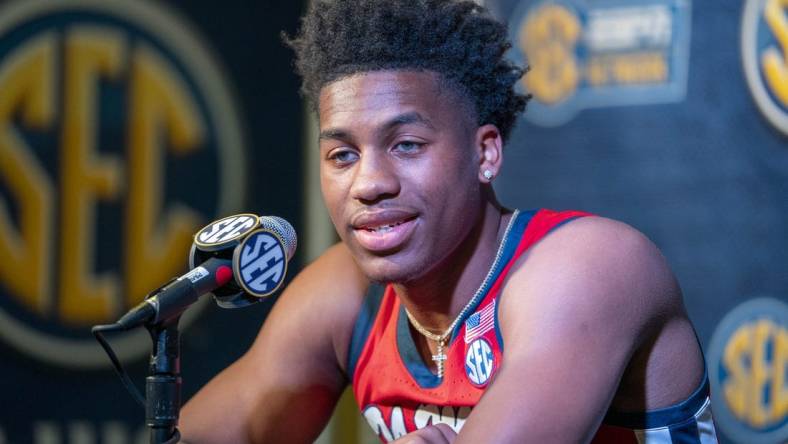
<point x="490" y="148"/>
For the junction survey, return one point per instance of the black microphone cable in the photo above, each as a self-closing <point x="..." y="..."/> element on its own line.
<point x="98" y="331"/>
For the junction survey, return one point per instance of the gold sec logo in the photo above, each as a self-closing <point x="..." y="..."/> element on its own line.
<point x="588" y="55"/>
<point x="108" y="110"/>
<point x="764" y="48"/>
<point x="748" y="371"/>
<point x="548" y="37"/>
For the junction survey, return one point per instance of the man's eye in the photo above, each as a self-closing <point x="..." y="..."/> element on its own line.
<point x="408" y="146"/>
<point x="343" y="157"/>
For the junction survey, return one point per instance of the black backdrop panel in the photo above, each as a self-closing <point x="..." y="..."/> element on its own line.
<point x="193" y="49"/>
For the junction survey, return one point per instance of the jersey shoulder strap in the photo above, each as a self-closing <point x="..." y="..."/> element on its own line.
<point x="538" y="225"/>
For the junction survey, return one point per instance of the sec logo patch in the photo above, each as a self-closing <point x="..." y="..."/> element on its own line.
<point x="479" y="362"/>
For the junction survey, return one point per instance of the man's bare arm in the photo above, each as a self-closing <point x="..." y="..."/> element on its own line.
<point x="573" y="315"/>
<point x="285" y="387"/>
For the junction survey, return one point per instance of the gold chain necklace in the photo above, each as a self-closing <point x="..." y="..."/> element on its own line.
<point x="440" y="357"/>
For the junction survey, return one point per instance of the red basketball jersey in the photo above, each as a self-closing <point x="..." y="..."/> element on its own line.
<point x="398" y="394"/>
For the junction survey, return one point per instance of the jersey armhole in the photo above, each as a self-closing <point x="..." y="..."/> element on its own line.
<point x="676" y="414"/>
<point x="363" y="325"/>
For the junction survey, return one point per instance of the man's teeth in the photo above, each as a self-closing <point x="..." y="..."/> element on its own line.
<point x="383" y="228"/>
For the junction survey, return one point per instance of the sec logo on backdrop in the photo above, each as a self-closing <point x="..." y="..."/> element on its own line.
<point x="748" y="371"/>
<point x="764" y="48"/>
<point x="108" y="112"/>
<point x="585" y="54"/>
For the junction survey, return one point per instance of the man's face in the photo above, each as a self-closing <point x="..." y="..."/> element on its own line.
<point x="399" y="170"/>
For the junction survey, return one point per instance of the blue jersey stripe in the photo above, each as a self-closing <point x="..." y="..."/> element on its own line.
<point x="664" y="417"/>
<point x="410" y="354"/>
<point x="685" y="433"/>
<point x="364" y="322"/>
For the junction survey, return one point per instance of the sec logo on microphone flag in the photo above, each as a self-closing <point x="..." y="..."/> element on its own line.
<point x="260" y="263"/>
<point x="225" y="232"/>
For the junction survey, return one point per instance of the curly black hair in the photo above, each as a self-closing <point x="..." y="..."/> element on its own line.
<point x="457" y="39"/>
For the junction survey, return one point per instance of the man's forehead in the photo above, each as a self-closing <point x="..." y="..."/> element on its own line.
<point x="374" y="87"/>
<point x="383" y="95"/>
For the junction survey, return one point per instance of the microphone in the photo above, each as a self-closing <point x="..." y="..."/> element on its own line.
<point x="241" y="259"/>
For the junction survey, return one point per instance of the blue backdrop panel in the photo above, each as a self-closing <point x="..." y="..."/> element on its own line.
<point x="642" y="112"/>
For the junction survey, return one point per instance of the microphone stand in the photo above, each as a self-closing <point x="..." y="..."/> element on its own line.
<point x="162" y="399"/>
<point x="163" y="384"/>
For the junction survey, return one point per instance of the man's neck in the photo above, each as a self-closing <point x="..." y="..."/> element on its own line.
<point x="437" y="298"/>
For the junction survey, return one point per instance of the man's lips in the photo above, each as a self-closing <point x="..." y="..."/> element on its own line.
<point x="383" y="230"/>
<point x="371" y="220"/>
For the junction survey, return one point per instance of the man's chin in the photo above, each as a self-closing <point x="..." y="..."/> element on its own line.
<point x="387" y="276"/>
<point x="390" y="270"/>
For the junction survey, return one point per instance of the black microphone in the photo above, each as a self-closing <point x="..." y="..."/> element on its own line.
<point x="240" y="259"/>
<point x="177" y="295"/>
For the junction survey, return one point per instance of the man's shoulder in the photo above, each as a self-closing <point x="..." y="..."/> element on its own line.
<point x="608" y="280"/>
<point x="594" y="243"/>
<point x="595" y="262"/>
<point x="591" y="232"/>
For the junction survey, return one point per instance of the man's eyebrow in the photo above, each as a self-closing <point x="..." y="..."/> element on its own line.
<point x="334" y="134"/>
<point x="402" y="119"/>
<point x="407" y="119"/>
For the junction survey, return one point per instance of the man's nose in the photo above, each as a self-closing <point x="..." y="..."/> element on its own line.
<point x="375" y="178"/>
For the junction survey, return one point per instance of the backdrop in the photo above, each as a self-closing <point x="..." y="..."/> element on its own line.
<point x="127" y="125"/>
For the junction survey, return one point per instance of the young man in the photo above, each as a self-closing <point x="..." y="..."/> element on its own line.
<point x="454" y="319"/>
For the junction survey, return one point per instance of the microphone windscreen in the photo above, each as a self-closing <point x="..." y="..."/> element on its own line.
<point x="285" y="231"/>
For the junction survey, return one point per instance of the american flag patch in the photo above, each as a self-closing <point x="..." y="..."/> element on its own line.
<point x="480" y="322"/>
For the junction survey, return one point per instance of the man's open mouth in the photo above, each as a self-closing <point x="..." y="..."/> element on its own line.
<point x="387" y="227"/>
<point x="384" y="231"/>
